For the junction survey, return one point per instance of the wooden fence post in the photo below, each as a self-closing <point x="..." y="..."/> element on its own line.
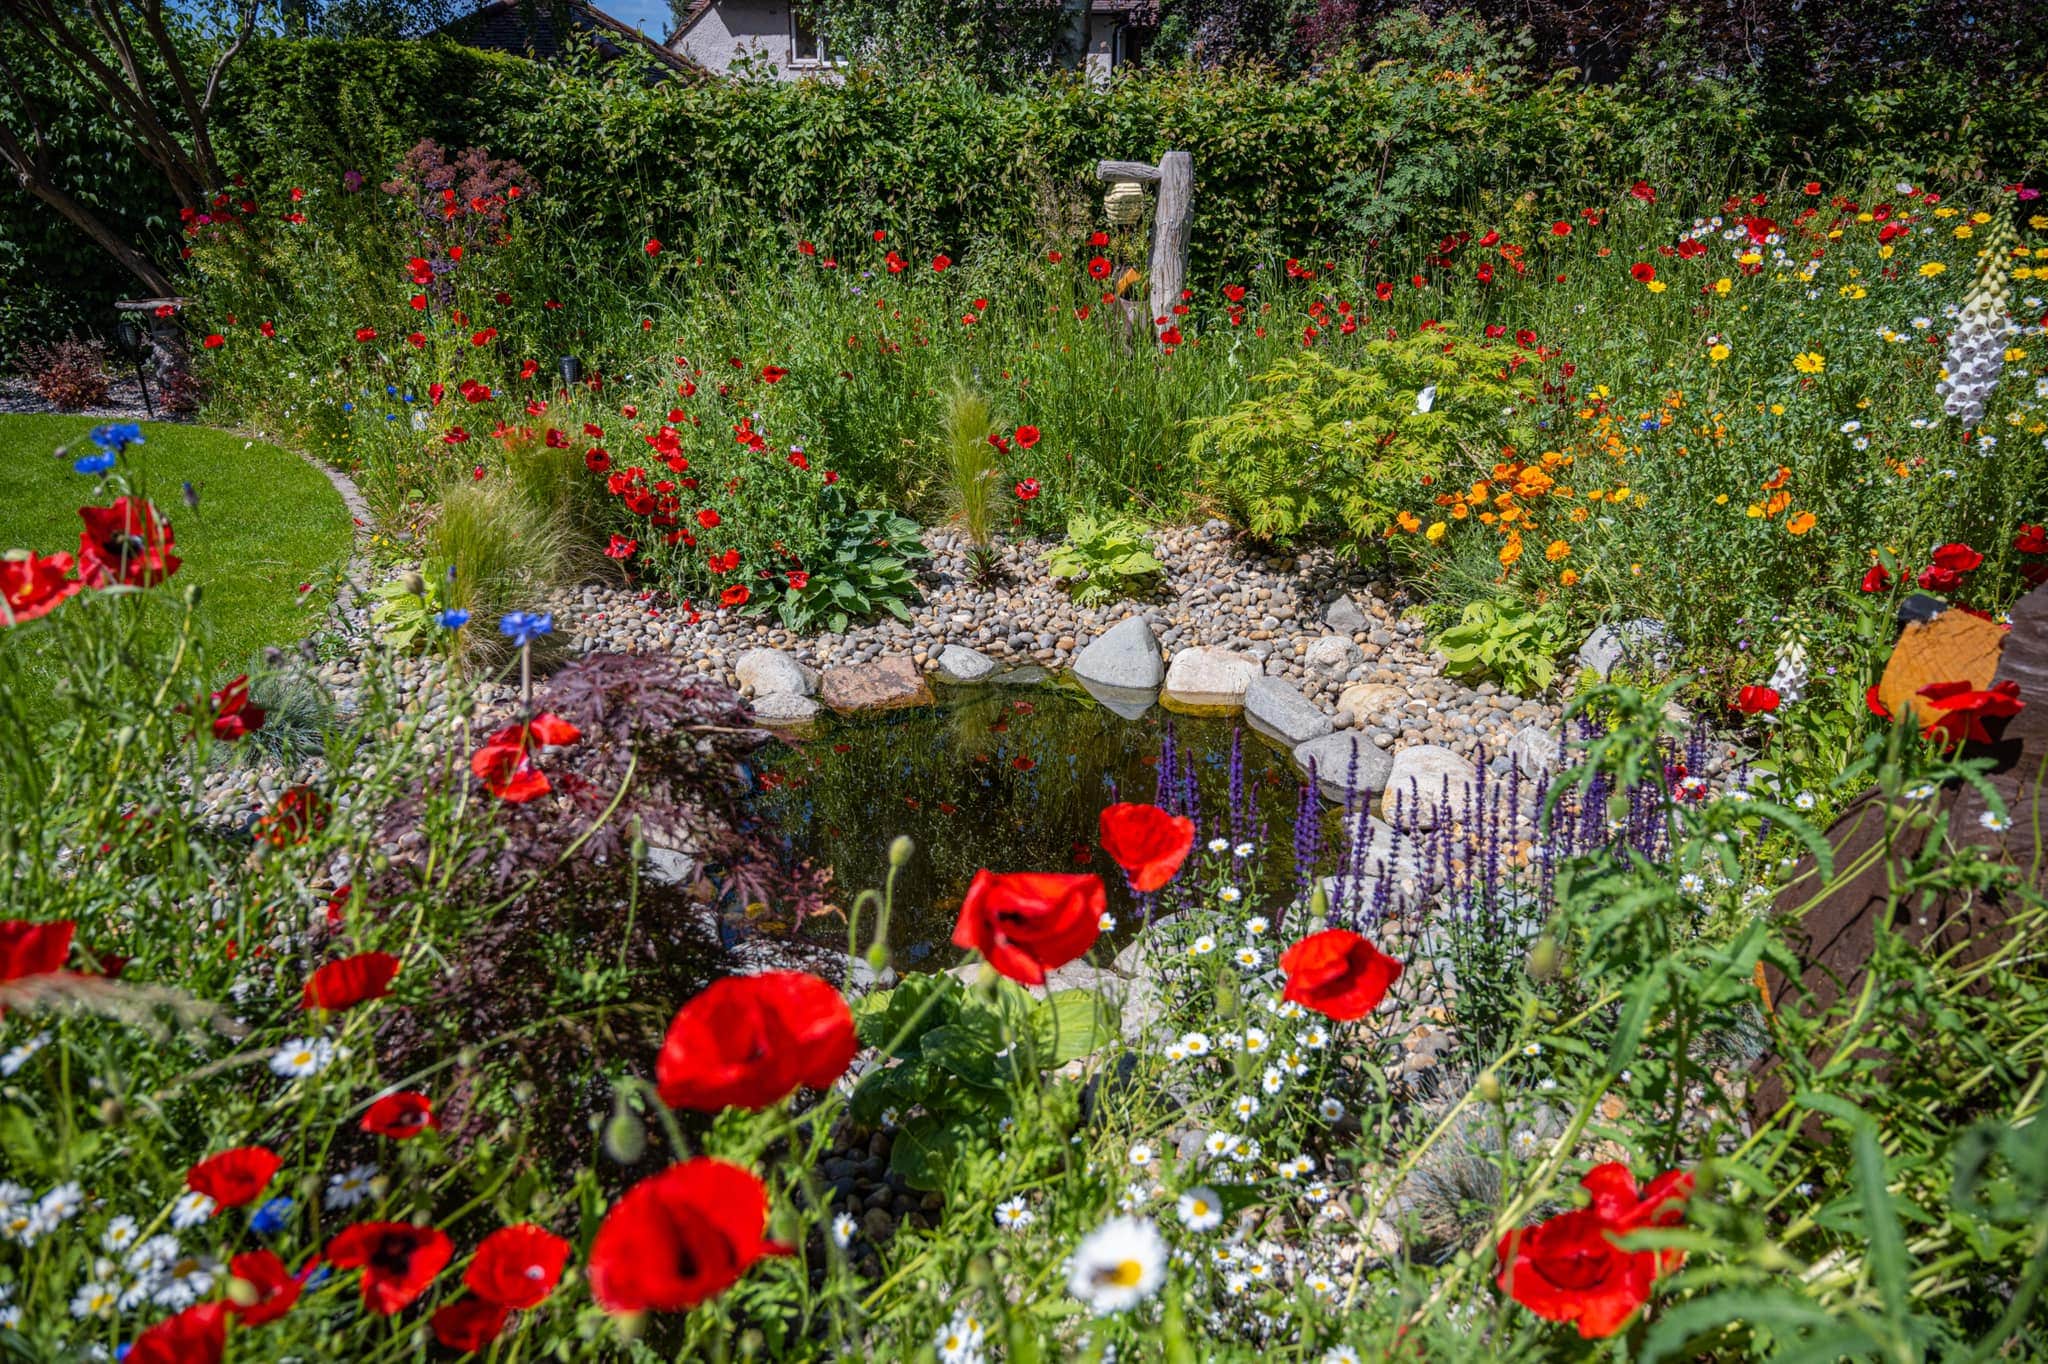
<point x="1173" y="221"/>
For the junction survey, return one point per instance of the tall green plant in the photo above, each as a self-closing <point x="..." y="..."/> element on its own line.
<point x="972" y="470"/>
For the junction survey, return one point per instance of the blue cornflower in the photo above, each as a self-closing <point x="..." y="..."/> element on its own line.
<point x="117" y="435"/>
<point x="524" y="627"/>
<point x="1653" y="425"/>
<point x="270" y="1219"/>
<point x="94" y="464"/>
<point x="348" y="407"/>
<point x="454" y="618"/>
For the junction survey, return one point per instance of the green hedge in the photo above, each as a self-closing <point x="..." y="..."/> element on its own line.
<point x="1285" y="166"/>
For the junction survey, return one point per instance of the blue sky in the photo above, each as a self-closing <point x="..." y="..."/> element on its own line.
<point x="652" y="17"/>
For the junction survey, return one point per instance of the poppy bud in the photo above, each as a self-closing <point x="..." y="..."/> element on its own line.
<point x="1487" y="1087"/>
<point x="242" y="1293"/>
<point x="900" y="849"/>
<point x="113" y="1112"/>
<point x="192" y="596"/>
<point x="1543" y="958"/>
<point x="625" y="1136"/>
<point x="878" y="957"/>
<point x="1319" y="904"/>
<point x="413" y="583"/>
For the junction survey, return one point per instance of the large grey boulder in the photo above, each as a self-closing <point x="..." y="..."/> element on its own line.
<point x="1534" y="750"/>
<point x="770" y="672"/>
<point x="1429" y="785"/>
<point x="1125" y="655"/>
<point x="958" y="663"/>
<point x="1639" y="641"/>
<point x="1334" y="756"/>
<point x="1275" y="709"/>
<point x="1373" y="703"/>
<point x="1343" y="616"/>
<point x="1208" y="676"/>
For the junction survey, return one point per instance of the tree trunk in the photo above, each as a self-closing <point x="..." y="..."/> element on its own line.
<point x="1173" y="222"/>
<point x="108" y="240"/>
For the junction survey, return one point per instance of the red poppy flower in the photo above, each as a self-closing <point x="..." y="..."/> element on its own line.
<point x="1875" y="706"/>
<point x="1560" y="229"/>
<point x="1022" y="762"/>
<point x="273" y="1287"/>
<point x="234" y="1177"/>
<point x="1641" y="190"/>
<point x="126" y="542"/>
<point x="653" y="247"/>
<point x="1569" y="1268"/>
<point x="33" y="949"/>
<point x="798" y="580"/>
<point x="1877" y="579"/>
<point x="468" y="1324"/>
<point x="1148" y="843"/>
<point x="299" y="813"/>
<point x="942" y="263"/>
<point x="350" y="981"/>
<point x="1338" y="974"/>
<point x="398" y="1260"/>
<point x="214" y="341"/>
<point x="505" y="762"/>
<point x="1027" y="489"/>
<point x="708" y="519"/>
<point x="1026" y="437"/>
<point x="2031" y="539"/>
<point x="1951" y="562"/>
<point x="517" y="1266"/>
<point x="1029" y="923"/>
<point x="752" y="1041"/>
<point x="1811" y="187"/>
<point x="736" y="595"/>
<point x="401" y="1116"/>
<point x="1965" y="709"/>
<point x="680" y="1238"/>
<point x="621" y="547"/>
<point x="1756" y="700"/>
<point x="773" y="374"/>
<point x="197" y="1335"/>
<point x="1098" y="268"/>
<point x="32" y="586"/>
<point x="233" y="716"/>
<point x="806" y="249"/>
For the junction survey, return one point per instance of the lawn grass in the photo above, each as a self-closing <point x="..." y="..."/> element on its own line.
<point x="267" y="522"/>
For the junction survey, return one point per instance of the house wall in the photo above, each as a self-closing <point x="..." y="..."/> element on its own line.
<point x="733" y="29"/>
<point x="1099" y="58"/>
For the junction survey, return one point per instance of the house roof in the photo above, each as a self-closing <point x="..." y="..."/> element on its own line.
<point x="1140" y="12"/>
<point x="532" y="28"/>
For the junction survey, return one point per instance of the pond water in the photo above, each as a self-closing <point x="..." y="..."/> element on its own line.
<point x="1012" y="777"/>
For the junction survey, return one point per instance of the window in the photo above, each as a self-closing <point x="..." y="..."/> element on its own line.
<point x="806" y="48"/>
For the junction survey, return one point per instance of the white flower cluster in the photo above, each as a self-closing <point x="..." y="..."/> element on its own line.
<point x="1976" y="349"/>
<point x="1790" y="673"/>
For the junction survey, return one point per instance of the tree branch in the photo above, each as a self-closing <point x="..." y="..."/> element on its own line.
<point x="29" y="175"/>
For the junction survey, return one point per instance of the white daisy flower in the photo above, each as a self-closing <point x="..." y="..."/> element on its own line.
<point x="1921" y="792"/>
<point x="1237" y="1283"/>
<point x="960" y="1342"/>
<point x="154" y="1255"/>
<point x="1254" y="1041"/>
<point x="1692" y="883"/>
<point x="351" y="1186"/>
<point x="1316" y="1038"/>
<point x="1202" y="946"/>
<point x="1994" y="821"/>
<point x="302" y="1056"/>
<point x="1118" y="1265"/>
<point x="1219" y="845"/>
<point x="1257" y="925"/>
<point x="1176" y="1052"/>
<point x="1132" y="1198"/>
<point x="1533" y="1049"/>
<point x="1340" y="1354"/>
<point x="1107" y="923"/>
<point x="191" y="1209"/>
<point x="1803" y="801"/>
<point x="1331" y="1109"/>
<point x="1012" y="1215"/>
<point x="1200" y="1209"/>
<point x="1246" y="1107"/>
<point x="95" y="1300"/>
<point x="1197" y="1043"/>
<point x="1249" y="958"/>
<point x="1272" y="1080"/>
<point x="1243" y="850"/>
<point x="1217" y="1143"/>
<point x="16" y="1057"/>
<point x="119" y="1235"/>
<point x="1524" y="1143"/>
<point x="1244" y="1150"/>
<point x="1230" y="895"/>
<point x="1141" y="1155"/>
<point x="62" y="1203"/>
<point x="843" y="1227"/>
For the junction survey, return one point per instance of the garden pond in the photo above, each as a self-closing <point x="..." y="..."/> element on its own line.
<point x="1012" y="776"/>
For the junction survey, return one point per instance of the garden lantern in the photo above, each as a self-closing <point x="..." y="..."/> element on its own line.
<point x="1124" y="204"/>
<point x="571" y="369"/>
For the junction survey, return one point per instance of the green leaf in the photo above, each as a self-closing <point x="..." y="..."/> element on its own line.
<point x="1886" y="1239"/>
<point x="1070" y="1024"/>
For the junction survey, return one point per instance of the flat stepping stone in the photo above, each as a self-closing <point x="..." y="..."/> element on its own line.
<point x="1125" y="655"/>
<point x="781" y="708"/>
<point x="880" y="684"/>
<point x="1278" y="710"/>
<point x="1208" y="676"/>
<point x="1342" y="758"/>
<point x="958" y="663"/>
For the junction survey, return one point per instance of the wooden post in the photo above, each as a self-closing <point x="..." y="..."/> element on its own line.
<point x="1173" y="221"/>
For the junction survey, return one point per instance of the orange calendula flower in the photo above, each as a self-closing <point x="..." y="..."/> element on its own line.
<point x="1512" y="550"/>
<point x="1779" y="501"/>
<point x="1802" y="523"/>
<point x="1409" y="522"/>
<point x="1557" y="550"/>
<point x="1777" y="480"/>
<point x="1570" y="577"/>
